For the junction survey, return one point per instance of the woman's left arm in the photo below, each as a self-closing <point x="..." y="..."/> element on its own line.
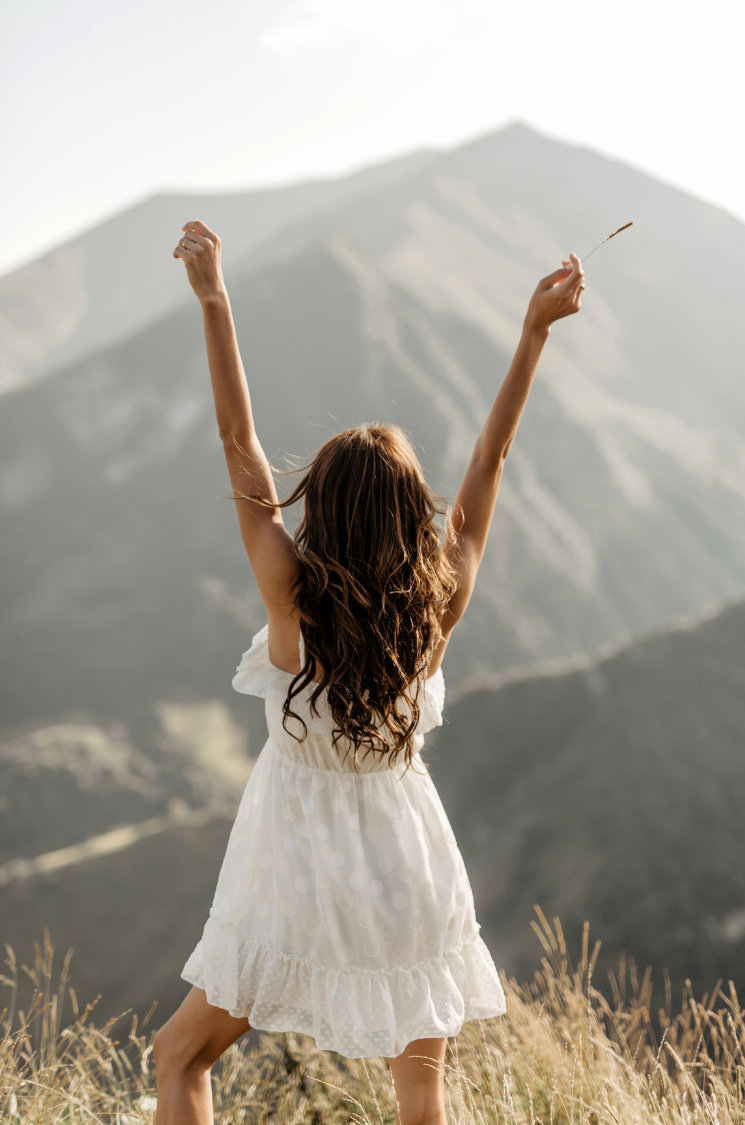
<point x="270" y="548"/>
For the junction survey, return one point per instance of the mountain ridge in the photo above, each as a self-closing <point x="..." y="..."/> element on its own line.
<point x="149" y="221"/>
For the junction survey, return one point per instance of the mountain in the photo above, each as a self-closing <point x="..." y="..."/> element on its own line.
<point x="610" y="791"/>
<point x="124" y="579"/>
<point x="93" y="291"/>
<point x="397" y="294"/>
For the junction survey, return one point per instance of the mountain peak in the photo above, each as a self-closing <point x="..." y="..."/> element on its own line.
<point x="518" y="127"/>
<point x="517" y="137"/>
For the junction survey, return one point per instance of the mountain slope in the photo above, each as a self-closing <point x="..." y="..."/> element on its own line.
<point x="611" y="793"/>
<point x="116" y="278"/>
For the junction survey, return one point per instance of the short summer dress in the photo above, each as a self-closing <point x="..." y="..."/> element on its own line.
<point x="343" y="909"/>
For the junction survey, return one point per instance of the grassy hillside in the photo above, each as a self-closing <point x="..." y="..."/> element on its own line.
<point x="561" y="1055"/>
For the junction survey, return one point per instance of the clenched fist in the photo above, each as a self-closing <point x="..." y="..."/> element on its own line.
<point x="199" y="248"/>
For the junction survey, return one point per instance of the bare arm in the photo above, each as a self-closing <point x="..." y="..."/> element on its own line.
<point x="269" y="546"/>
<point x="556" y="296"/>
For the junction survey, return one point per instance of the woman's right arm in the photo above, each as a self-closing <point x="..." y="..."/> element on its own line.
<point x="556" y="296"/>
<point x="269" y="546"/>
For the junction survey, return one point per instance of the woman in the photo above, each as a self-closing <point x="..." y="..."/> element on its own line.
<point x="343" y="908"/>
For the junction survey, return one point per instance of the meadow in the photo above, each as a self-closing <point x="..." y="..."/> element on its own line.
<point x="563" y="1055"/>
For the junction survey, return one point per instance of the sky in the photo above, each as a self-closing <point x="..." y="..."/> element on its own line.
<point x="103" y="104"/>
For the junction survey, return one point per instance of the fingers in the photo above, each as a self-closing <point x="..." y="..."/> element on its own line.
<point x="184" y="250"/>
<point x="575" y="268"/>
<point x="575" y="283"/>
<point x="191" y="242"/>
<point x="553" y="278"/>
<point x="198" y="227"/>
<point x="197" y="236"/>
<point x="574" y="280"/>
<point x="567" y="275"/>
<point x="580" y="278"/>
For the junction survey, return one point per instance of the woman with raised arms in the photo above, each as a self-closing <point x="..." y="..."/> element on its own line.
<point x="343" y="908"/>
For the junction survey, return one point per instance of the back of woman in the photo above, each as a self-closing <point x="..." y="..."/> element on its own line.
<point x="372" y="587"/>
<point x="343" y="908"/>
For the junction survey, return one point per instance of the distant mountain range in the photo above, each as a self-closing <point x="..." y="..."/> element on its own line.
<point x="397" y="293"/>
<point x="611" y="791"/>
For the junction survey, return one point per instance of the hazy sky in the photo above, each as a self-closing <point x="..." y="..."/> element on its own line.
<point x="102" y="104"/>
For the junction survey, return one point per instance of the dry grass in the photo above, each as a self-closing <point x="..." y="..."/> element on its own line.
<point x="562" y="1055"/>
<point x="609" y="237"/>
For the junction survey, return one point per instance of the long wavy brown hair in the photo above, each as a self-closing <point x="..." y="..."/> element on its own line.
<point x="374" y="583"/>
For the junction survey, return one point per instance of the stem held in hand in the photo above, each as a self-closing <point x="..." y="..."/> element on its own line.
<point x="584" y="257"/>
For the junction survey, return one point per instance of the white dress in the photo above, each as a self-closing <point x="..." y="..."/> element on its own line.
<point x="343" y="909"/>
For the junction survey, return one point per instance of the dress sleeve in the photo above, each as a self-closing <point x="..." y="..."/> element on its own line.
<point x="256" y="675"/>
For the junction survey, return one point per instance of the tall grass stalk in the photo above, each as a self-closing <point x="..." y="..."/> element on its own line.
<point x="564" y="1054"/>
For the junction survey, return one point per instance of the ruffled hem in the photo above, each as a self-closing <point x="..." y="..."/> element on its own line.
<point x="256" y="675"/>
<point x="358" y="1013"/>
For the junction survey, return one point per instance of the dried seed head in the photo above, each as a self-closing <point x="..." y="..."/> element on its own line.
<point x="626" y="226"/>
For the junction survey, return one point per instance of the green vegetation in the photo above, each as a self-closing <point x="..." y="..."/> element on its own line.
<point x="562" y="1055"/>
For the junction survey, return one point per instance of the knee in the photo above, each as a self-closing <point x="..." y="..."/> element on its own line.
<point x="165" y="1051"/>
<point x="172" y="1054"/>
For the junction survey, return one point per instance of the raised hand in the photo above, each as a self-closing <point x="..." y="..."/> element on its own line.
<point x="199" y="249"/>
<point x="557" y="295"/>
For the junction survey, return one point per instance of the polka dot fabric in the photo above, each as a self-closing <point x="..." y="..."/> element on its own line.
<point x="343" y="909"/>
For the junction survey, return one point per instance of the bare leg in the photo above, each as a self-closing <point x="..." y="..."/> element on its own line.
<point x="419" y="1083"/>
<point x="185" y="1049"/>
